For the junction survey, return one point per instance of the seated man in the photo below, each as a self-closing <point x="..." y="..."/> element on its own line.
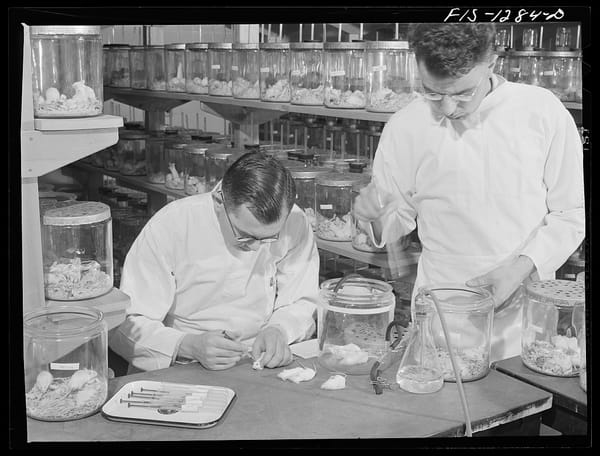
<point x="215" y="276"/>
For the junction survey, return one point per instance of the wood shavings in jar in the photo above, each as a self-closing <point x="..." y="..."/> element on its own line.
<point x="336" y="228"/>
<point x="198" y="84"/>
<point x="280" y="91"/>
<point x="473" y="363"/>
<point x="70" y="279"/>
<point x="219" y="88"/>
<point x="386" y="100"/>
<point x="311" y="97"/>
<point x="560" y="357"/>
<point x="346" y="99"/>
<point x="242" y="88"/>
<point x="83" y="102"/>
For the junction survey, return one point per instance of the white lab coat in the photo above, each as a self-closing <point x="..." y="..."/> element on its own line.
<point x="183" y="278"/>
<point x="508" y="181"/>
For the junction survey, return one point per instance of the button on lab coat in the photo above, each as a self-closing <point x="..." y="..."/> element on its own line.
<point x="507" y="181"/>
<point x="183" y="278"/>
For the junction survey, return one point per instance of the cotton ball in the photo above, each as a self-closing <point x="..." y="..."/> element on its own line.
<point x="52" y="95"/>
<point x="304" y="375"/>
<point x="287" y="373"/>
<point x="335" y="382"/>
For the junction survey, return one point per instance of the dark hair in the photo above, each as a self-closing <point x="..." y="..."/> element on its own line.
<point x="262" y="183"/>
<point x="448" y="50"/>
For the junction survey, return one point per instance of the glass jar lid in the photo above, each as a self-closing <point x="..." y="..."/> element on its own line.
<point x="65" y="30"/>
<point x="382" y="45"/>
<point x="345" y="45"/>
<point x="62" y="321"/>
<point x="196" y="149"/>
<point x="457" y="297"/>
<point x="194" y="46"/>
<point x="220" y="46"/>
<point x="307" y="45"/>
<point x="357" y="295"/>
<point x="279" y="45"/>
<point x="337" y="179"/>
<point x="175" y="46"/>
<point x="84" y="213"/>
<point x="567" y="293"/>
<point x="243" y="46"/>
<point x="308" y="173"/>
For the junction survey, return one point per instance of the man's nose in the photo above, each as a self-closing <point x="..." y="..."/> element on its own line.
<point x="447" y="105"/>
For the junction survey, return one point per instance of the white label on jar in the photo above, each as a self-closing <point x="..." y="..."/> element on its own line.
<point x="515" y="70"/>
<point x="338" y="73"/>
<point x="216" y="67"/>
<point x="234" y="67"/>
<point x="296" y="72"/>
<point x="64" y="366"/>
<point x="549" y="73"/>
<point x="379" y="68"/>
<point x="326" y="206"/>
<point x="265" y="70"/>
<point x="535" y="328"/>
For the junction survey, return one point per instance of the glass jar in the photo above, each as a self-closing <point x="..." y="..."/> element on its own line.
<point x="66" y="362"/>
<point x="335" y="141"/>
<point x="334" y="206"/>
<point x="66" y="71"/>
<point x="530" y="39"/>
<point x="131" y="150"/>
<point x="119" y="75"/>
<point x="195" y="168"/>
<point x="175" y="54"/>
<point x="77" y="251"/>
<point x="345" y="70"/>
<point x="175" y="164"/>
<point x="562" y="39"/>
<point x="137" y="67"/>
<point x="352" y="322"/>
<point x="373" y="137"/>
<point x="360" y="237"/>
<point x="244" y="71"/>
<point x="468" y="314"/>
<point x="274" y="72"/>
<point x="552" y="319"/>
<point x="562" y="74"/>
<point x="217" y="162"/>
<point x="155" y="159"/>
<point x="390" y="75"/>
<point x="501" y="66"/>
<point x="156" y="67"/>
<point x="526" y="67"/>
<point x="502" y="40"/>
<point x="106" y="64"/>
<point x="306" y="73"/>
<point x="220" y="58"/>
<point x="196" y="68"/>
<point x="110" y="157"/>
<point x="305" y="179"/>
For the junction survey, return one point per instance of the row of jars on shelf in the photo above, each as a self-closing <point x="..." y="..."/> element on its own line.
<point x="380" y="76"/>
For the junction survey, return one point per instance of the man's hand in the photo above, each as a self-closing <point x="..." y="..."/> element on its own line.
<point x="371" y="203"/>
<point x="504" y="280"/>
<point x="211" y="349"/>
<point x="273" y="342"/>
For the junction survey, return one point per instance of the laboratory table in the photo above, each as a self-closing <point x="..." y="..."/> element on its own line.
<point x="267" y="407"/>
<point x="569" y="403"/>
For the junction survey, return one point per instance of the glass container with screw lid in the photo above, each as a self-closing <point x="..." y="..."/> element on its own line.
<point x="220" y="59"/>
<point x="274" y="72"/>
<point x="244" y="71"/>
<point x="306" y="73"/>
<point x="390" y="76"/>
<point x="552" y="320"/>
<point x="354" y="313"/>
<point x="155" y="159"/>
<point x="217" y="162"/>
<point x="77" y="251"/>
<point x="66" y="71"/>
<point x="345" y="71"/>
<point x="66" y="362"/>
<point x="131" y="150"/>
<point x="334" y="205"/>
<point x="195" y="168"/>
<point x="137" y="67"/>
<point x="156" y="67"/>
<point x="175" y="163"/>
<point x="120" y="66"/>
<point x="305" y="179"/>
<point x="175" y="54"/>
<point x="196" y="67"/>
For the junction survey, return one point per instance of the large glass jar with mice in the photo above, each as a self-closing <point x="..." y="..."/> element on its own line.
<point x="306" y="73"/>
<point x="77" y="251"/>
<point x="67" y="79"/>
<point x="274" y="72"/>
<point x="220" y="59"/>
<point x="345" y="72"/>
<point x="552" y="320"/>
<point x="65" y="350"/>
<point x="244" y="71"/>
<point x="334" y="205"/>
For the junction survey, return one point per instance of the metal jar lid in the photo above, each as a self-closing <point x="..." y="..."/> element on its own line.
<point x="84" y="213"/>
<point x="220" y="46"/>
<point x="301" y="172"/>
<point x="562" y="54"/>
<point x="275" y="46"/>
<point x="307" y="46"/>
<point x="118" y="47"/>
<point x="338" y="179"/>
<point x="526" y="53"/>
<point x="196" y="149"/>
<point x="65" y="30"/>
<point x="345" y="46"/>
<point x="383" y="45"/>
<point x="196" y="46"/>
<point x="152" y="47"/>
<point x="220" y="154"/>
<point x="567" y="293"/>
<point x="245" y="46"/>
<point x="137" y="47"/>
<point x="133" y="135"/>
<point x="175" y="46"/>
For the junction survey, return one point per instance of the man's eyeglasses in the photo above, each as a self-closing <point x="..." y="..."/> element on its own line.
<point x="244" y="239"/>
<point x="459" y="98"/>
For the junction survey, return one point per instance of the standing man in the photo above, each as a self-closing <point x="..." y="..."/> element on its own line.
<point x="215" y="276"/>
<point x="492" y="172"/>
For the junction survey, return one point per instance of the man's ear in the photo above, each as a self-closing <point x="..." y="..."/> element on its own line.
<point x="217" y="198"/>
